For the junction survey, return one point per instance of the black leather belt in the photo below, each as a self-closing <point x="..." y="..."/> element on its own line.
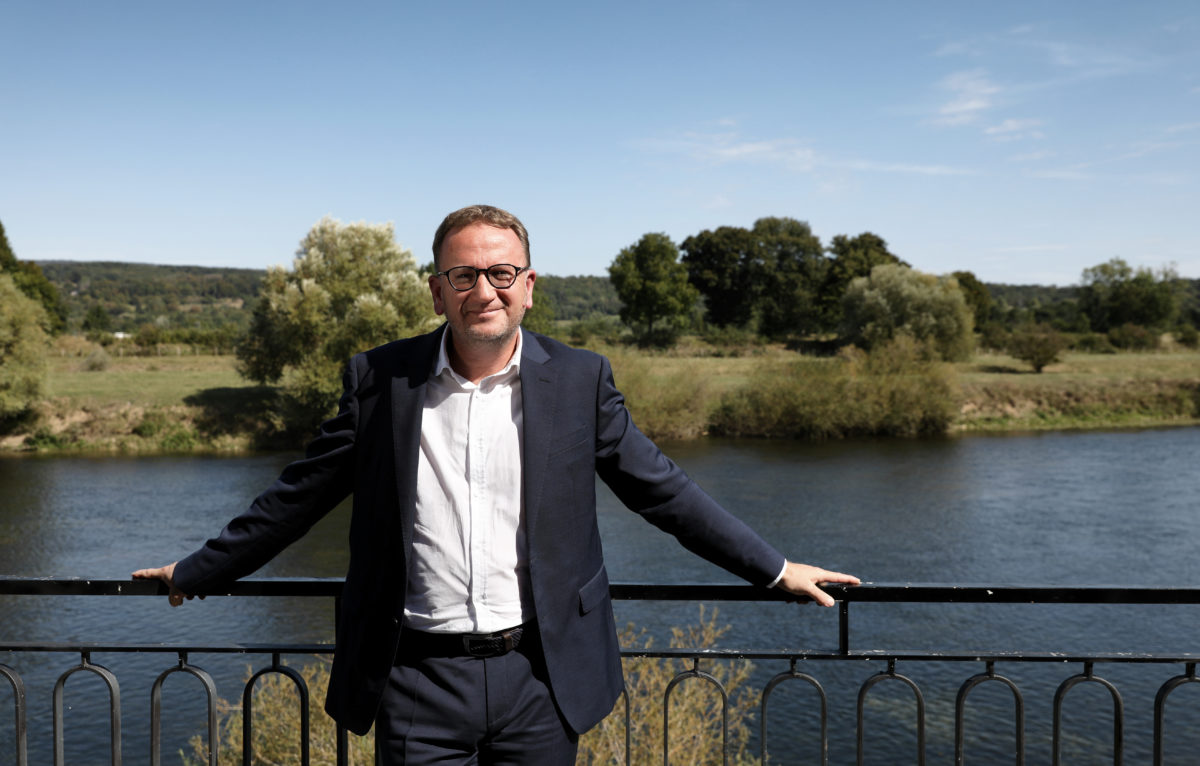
<point x="421" y="643"/>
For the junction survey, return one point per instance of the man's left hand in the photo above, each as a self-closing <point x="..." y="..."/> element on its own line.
<point x="803" y="580"/>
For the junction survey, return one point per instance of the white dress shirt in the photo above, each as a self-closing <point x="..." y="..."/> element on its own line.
<point x="470" y="568"/>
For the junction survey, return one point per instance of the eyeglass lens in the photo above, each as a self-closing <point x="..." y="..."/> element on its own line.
<point x="501" y="276"/>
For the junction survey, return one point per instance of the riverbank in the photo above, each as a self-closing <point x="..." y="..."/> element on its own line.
<point x="198" y="403"/>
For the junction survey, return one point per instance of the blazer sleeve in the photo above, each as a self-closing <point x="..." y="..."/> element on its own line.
<point x="306" y="490"/>
<point x="649" y="483"/>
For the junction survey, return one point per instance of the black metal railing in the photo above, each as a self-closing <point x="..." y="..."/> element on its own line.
<point x="844" y="651"/>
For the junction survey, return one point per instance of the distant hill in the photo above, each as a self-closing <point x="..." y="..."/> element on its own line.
<point x="171" y="296"/>
<point x="203" y="297"/>
<point x="135" y="294"/>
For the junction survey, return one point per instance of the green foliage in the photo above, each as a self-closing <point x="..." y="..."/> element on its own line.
<point x="1132" y="337"/>
<point x="977" y="296"/>
<point x="897" y="389"/>
<point x="97" y="319"/>
<point x="656" y="298"/>
<point x="30" y="280"/>
<point x="577" y="297"/>
<point x="794" y="270"/>
<point x="23" y="344"/>
<point x="1187" y="336"/>
<point x="1039" y="345"/>
<point x="1094" y="343"/>
<point x="351" y="287"/>
<point x="1114" y="294"/>
<point x="896" y="300"/>
<point x="850" y="258"/>
<point x="725" y="266"/>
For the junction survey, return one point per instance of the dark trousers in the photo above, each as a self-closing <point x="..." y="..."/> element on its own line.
<point x="470" y="710"/>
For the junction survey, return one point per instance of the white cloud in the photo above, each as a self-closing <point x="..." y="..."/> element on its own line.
<point x="972" y="95"/>
<point x="1062" y="175"/>
<point x="1185" y="128"/>
<point x="902" y="167"/>
<point x="1042" y="248"/>
<point x="729" y="148"/>
<point x="1015" y="130"/>
<point x="1033" y="156"/>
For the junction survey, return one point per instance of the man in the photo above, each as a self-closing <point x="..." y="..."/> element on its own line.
<point x="475" y="624"/>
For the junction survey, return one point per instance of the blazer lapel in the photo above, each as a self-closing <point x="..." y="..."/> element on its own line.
<point x="538" y="405"/>
<point x="408" y="399"/>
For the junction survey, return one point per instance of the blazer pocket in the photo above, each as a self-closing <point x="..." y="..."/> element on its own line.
<point x="594" y="592"/>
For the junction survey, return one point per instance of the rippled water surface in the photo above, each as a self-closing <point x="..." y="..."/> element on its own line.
<point x="1063" y="508"/>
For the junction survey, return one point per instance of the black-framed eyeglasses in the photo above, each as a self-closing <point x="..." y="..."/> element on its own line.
<point x="501" y="276"/>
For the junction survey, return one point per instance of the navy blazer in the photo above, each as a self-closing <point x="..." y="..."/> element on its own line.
<point x="575" y="428"/>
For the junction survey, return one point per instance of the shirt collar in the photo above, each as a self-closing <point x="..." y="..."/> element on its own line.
<point x="442" y="365"/>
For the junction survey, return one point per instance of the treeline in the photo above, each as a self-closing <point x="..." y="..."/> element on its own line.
<point x="777" y="280"/>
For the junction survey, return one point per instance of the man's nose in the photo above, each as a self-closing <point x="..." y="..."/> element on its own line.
<point x="482" y="288"/>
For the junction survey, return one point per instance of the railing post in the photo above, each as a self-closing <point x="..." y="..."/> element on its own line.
<point x="210" y="690"/>
<point x="19" y="724"/>
<point x="114" y="708"/>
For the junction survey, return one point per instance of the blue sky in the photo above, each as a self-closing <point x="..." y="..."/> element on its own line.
<point x="1021" y="141"/>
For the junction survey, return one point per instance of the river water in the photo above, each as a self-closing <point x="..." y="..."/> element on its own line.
<point x="1114" y="508"/>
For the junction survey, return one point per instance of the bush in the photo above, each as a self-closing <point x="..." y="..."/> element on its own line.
<point x="1094" y="343"/>
<point x="277" y="725"/>
<point x="23" y="343"/>
<point x="97" y="361"/>
<point x="1039" y="345"/>
<point x="695" y="712"/>
<point x="1188" y="337"/>
<point x="898" y="389"/>
<point x="1132" y="337"/>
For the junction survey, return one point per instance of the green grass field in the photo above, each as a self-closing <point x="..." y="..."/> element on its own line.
<point x="188" y="402"/>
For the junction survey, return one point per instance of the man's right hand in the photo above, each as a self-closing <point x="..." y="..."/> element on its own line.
<point x="167" y="575"/>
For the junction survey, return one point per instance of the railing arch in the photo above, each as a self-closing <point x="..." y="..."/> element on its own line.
<point x="844" y="650"/>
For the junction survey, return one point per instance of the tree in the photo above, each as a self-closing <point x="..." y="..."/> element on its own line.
<point x="22" y="350"/>
<point x="1114" y="294"/>
<point x="1039" y="345"/>
<point x="652" y="284"/>
<point x="896" y="300"/>
<point x="851" y="258"/>
<point x="30" y="280"/>
<point x="794" y="267"/>
<point x="97" y="319"/>
<point x="977" y="295"/>
<point x="725" y="265"/>
<point x="351" y="287"/>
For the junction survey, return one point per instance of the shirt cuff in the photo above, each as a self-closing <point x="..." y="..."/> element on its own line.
<point x="779" y="576"/>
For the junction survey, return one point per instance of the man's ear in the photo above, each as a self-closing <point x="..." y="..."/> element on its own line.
<point x="530" y="278"/>
<point x="435" y="289"/>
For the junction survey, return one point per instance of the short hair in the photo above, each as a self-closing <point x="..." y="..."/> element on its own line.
<point x="492" y="216"/>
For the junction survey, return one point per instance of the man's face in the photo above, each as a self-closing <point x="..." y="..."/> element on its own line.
<point x="483" y="313"/>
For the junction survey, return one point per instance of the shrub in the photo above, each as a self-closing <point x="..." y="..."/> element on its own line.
<point x="277" y="725"/>
<point x="898" y="389"/>
<point x="695" y="712"/>
<point x="1095" y="343"/>
<point x="1039" y="345"/>
<point x="1187" y="336"/>
<point x="1132" y="337"/>
<point x="97" y="361"/>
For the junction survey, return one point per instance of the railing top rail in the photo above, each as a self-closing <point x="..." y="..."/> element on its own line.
<point x="866" y="593"/>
